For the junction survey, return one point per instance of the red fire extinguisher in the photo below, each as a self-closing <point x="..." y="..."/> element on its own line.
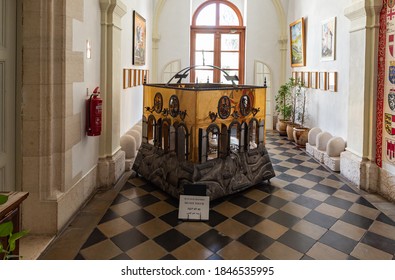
<point x="94" y="113"/>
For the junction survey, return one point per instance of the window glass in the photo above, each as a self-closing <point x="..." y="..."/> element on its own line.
<point x="230" y="42"/>
<point x="207" y="16"/>
<point x="204" y="42"/>
<point x="227" y="16"/>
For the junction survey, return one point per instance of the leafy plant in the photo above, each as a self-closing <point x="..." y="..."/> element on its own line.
<point x="283" y="101"/>
<point x="6" y="231"/>
<point x="300" y="104"/>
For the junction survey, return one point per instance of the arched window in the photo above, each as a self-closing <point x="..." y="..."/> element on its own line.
<point x="218" y="39"/>
<point x="264" y="74"/>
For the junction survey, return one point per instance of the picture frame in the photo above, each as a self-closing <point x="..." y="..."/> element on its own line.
<point x="322" y="77"/>
<point x="299" y="76"/>
<point x="306" y="79"/>
<point x="297" y="43"/>
<point x="328" y="39"/>
<point x="313" y="80"/>
<point x="139" y="39"/>
<point x="332" y="81"/>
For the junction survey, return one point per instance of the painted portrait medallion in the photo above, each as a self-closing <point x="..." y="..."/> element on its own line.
<point x="224" y="107"/>
<point x="245" y="105"/>
<point x="174" y="106"/>
<point x="158" y="102"/>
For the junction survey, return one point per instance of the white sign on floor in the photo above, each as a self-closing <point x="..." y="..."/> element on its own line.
<point x="194" y="207"/>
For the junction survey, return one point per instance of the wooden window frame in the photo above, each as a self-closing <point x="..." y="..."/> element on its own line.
<point x="218" y="30"/>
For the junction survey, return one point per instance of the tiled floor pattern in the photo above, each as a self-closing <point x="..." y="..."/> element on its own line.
<point x="307" y="212"/>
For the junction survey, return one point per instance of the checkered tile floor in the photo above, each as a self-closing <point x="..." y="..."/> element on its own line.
<point x="307" y="212"/>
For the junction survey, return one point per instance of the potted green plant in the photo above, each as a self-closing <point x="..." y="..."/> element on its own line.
<point x="283" y="107"/>
<point x="295" y="89"/>
<point x="300" y="132"/>
<point x="7" y="233"/>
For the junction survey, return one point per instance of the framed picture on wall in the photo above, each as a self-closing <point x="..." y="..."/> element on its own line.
<point x="332" y="81"/>
<point x="313" y="80"/>
<point x="299" y="76"/>
<point x="306" y="79"/>
<point x="328" y="39"/>
<point x="322" y="80"/>
<point x="139" y="39"/>
<point x="297" y="43"/>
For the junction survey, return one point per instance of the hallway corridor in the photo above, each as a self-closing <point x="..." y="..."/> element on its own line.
<point x="308" y="212"/>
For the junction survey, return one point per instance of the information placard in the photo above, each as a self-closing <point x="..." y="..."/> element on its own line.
<point x="194" y="207"/>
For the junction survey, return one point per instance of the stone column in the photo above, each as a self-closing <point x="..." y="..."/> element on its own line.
<point x="112" y="159"/>
<point x="357" y="163"/>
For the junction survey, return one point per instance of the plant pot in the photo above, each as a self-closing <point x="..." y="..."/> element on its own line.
<point x="290" y="131"/>
<point x="300" y="135"/>
<point x="281" y="127"/>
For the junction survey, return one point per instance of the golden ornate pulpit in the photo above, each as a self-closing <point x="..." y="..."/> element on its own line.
<point x="211" y="134"/>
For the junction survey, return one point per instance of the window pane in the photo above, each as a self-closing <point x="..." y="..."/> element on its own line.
<point x="230" y="73"/>
<point x="227" y="16"/>
<point x="203" y="75"/>
<point x="207" y="16"/>
<point x="230" y="42"/>
<point x="229" y="60"/>
<point x="204" y="42"/>
<point x="208" y="58"/>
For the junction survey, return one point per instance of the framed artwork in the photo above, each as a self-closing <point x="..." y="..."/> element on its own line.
<point x="328" y="39"/>
<point x="313" y="80"/>
<point x="322" y="76"/>
<point x="298" y="77"/>
<point x="294" y="75"/>
<point x="332" y="81"/>
<point x="139" y="39"/>
<point x="297" y="43"/>
<point x="306" y="79"/>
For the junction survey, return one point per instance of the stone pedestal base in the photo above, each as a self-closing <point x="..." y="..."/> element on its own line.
<point x="362" y="172"/>
<point x="332" y="162"/>
<point x="129" y="163"/>
<point x="319" y="155"/>
<point x="111" y="169"/>
<point x="387" y="185"/>
<point x="310" y="149"/>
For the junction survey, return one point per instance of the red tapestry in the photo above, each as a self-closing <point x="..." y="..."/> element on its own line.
<point x="381" y="83"/>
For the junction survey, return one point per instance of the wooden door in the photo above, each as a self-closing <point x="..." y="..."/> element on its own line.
<point x="7" y="94"/>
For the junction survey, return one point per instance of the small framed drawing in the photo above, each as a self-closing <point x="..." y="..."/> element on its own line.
<point x="294" y="75"/>
<point x="139" y="38"/>
<point x="328" y="39"/>
<point x="125" y="78"/>
<point x="297" y="43"/>
<point x="313" y="80"/>
<point x="322" y="76"/>
<point x="306" y="79"/>
<point x="332" y="81"/>
<point x="298" y="77"/>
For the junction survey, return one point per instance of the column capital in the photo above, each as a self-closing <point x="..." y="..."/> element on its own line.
<point x="364" y="14"/>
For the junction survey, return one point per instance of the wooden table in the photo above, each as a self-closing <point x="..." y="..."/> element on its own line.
<point x="10" y="211"/>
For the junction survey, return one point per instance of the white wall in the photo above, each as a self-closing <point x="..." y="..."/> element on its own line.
<point x="327" y="110"/>
<point x="262" y="35"/>
<point x="173" y="29"/>
<point x="89" y="29"/>
<point x="132" y="98"/>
